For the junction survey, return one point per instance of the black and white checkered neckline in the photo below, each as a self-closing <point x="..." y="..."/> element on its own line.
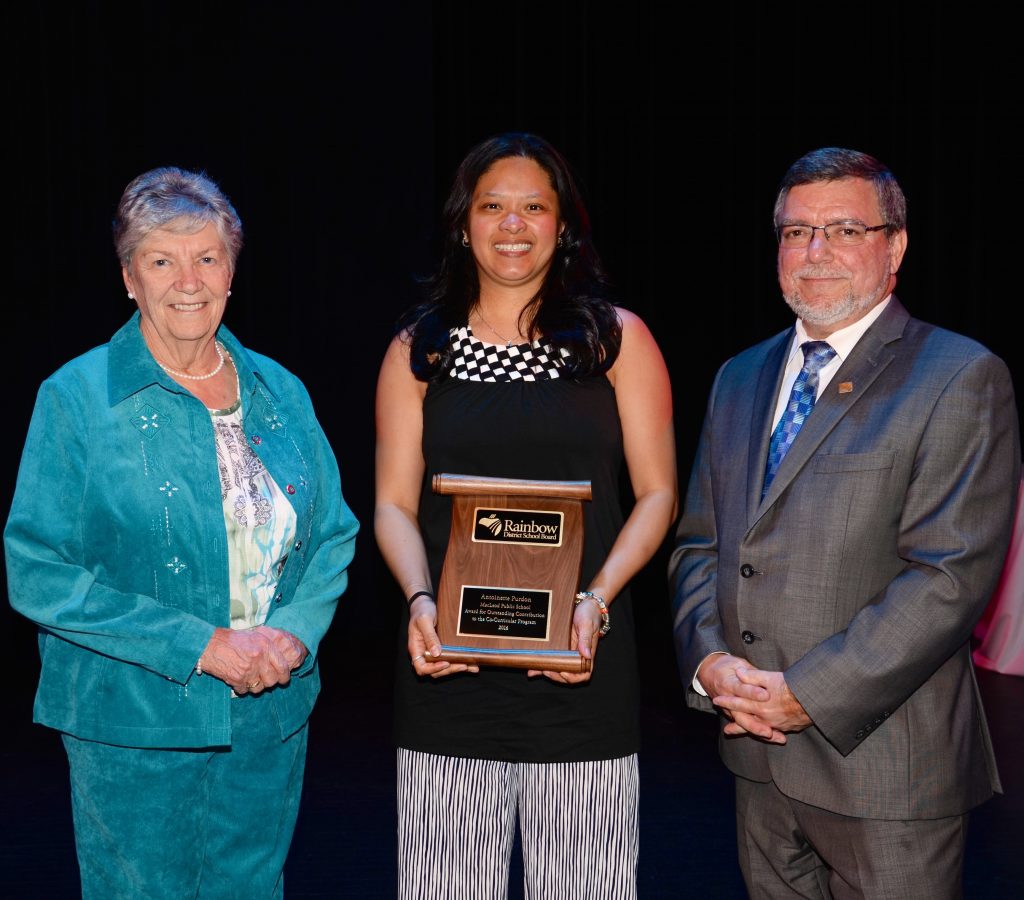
<point x="473" y="360"/>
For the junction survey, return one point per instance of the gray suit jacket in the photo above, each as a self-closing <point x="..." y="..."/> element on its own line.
<point x="863" y="571"/>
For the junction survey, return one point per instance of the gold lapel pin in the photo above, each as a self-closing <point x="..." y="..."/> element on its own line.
<point x="846" y="387"/>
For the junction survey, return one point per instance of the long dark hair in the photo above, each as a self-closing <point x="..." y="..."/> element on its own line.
<point x="572" y="309"/>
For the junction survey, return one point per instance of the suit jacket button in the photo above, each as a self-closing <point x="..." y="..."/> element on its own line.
<point x="748" y="637"/>
<point x="746" y="570"/>
<point x="859" y="735"/>
<point x="277" y="599"/>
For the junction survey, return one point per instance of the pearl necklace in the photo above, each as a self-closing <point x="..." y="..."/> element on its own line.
<point x="177" y="374"/>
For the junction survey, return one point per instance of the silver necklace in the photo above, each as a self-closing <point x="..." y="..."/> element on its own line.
<point x="219" y="366"/>
<point x="508" y="343"/>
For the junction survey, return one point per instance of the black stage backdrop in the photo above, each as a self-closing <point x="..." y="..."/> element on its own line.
<point x="336" y="130"/>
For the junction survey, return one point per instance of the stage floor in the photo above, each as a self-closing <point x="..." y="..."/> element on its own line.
<point x="344" y="846"/>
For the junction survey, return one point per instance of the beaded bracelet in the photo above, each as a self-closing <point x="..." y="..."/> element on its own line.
<point x="419" y="594"/>
<point x="605" y="620"/>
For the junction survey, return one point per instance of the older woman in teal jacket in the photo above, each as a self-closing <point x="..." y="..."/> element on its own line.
<point x="179" y="536"/>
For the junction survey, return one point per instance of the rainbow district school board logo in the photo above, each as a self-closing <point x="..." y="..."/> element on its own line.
<point x="517" y="526"/>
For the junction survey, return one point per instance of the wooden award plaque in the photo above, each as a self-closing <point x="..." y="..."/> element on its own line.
<point x="511" y="572"/>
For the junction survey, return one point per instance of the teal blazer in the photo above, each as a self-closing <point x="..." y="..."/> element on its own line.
<point x="116" y="545"/>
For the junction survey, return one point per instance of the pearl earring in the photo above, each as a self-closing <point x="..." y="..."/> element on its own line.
<point x="131" y="296"/>
<point x="465" y="239"/>
<point x="229" y="293"/>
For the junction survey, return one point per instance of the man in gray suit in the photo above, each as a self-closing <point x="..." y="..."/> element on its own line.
<point x="846" y="521"/>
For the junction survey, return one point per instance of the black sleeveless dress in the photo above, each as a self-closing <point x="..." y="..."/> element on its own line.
<point x="553" y="428"/>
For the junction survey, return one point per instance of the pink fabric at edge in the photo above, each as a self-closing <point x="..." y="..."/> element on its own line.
<point x="1001" y="629"/>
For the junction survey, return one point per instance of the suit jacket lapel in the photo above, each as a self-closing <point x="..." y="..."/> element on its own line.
<point x="866" y="362"/>
<point x="766" y="392"/>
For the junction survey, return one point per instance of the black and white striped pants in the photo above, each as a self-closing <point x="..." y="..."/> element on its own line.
<point x="457" y="820"/>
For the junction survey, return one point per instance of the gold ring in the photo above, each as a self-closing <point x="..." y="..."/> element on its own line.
<point x="253" y="684"/>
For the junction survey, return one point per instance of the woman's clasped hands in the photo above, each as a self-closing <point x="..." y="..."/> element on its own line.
<point x="252" y="660"/>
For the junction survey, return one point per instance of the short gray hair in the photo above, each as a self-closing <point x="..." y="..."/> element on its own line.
<point x="190" y="200"/>
<point x="834" y="163"/>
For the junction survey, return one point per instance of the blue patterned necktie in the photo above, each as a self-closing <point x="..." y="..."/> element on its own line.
<point x="801" y="401"/>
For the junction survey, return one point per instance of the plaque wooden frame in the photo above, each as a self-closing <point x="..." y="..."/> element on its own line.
<point x="507" y="591"/>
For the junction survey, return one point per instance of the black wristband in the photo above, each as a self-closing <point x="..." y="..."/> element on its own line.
<point x="419" y="594"/>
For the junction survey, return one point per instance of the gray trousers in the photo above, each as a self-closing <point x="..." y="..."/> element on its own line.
<point x="790" y="850"/>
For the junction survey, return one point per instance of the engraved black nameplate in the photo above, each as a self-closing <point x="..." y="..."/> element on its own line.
<point x="504" y="613"/>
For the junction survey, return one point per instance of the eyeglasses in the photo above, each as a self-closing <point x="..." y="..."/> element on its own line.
<point x="844" y="234"/>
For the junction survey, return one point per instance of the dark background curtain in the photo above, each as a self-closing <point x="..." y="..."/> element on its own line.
<point x="335" y="130"/>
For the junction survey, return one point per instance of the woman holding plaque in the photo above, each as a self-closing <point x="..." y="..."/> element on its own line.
<point x="518" y="366"/>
